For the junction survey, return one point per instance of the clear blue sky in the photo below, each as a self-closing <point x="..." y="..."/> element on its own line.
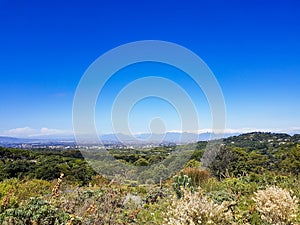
<point x="252" y="47"/>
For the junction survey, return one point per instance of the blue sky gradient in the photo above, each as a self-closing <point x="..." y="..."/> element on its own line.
<point x="252" y="47"/>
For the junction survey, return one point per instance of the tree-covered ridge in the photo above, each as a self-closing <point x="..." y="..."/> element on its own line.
<point x="262" y="140"/>
<point x="259" y="153"/>
<point x="247" y="153"/>
<point x="46" y="165"/>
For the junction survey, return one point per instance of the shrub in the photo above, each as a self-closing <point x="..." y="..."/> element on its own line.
<point x="196" y="209"/>
<point x="93" y="205"/>
<point x="22" y="190"/>
<point x="197" y="175"/>
<point x="276" y="206"/>
<point x="193" y="163"/>
<point x="239" y="185"/>
<point x="153" y="213"/>
<point x="35" y="211"/>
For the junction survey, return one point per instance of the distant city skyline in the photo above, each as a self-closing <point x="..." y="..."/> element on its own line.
<point x="252" y="47"/>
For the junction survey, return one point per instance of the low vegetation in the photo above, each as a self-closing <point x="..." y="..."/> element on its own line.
<point x="253" y="179"/>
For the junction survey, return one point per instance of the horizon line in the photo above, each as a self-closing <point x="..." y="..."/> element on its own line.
<point x="27" y="132"/>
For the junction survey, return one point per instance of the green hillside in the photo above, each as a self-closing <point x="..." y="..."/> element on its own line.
<point x="251" y="179"/>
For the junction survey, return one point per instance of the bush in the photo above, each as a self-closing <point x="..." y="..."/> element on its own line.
<point x="196" y="209"/>
<point x="35" y="211"/>
<point x="193" y="163"/>
<point x="276" y="206"/>
<point x="197" y="175"/>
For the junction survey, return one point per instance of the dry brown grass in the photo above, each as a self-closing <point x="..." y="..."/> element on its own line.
<point x="197" y="175"/>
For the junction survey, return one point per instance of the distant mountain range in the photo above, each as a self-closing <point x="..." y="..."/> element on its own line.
<point x="145" y="138"/>
<point x="13" y="140"/>
<point x="46" y="141"/>
<point x="169" y="137"/>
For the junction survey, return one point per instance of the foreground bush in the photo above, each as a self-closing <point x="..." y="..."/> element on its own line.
<point x="198" y="176"/>
<point x="196" y="209"/>
<point x="276" y="206"/>
<point x="36" y="211"/>
<point x="19" y="191"/>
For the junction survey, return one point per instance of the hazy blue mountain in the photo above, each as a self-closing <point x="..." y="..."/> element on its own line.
<point x="147" y="138"/>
